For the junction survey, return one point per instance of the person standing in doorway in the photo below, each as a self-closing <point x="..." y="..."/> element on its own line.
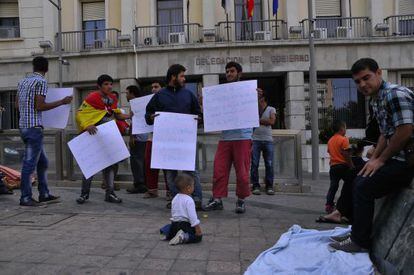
<point x="31" y="95"/>
<point x="263" y="143"/>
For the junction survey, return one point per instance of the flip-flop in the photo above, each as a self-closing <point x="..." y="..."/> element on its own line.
<point x="322" y="219"/>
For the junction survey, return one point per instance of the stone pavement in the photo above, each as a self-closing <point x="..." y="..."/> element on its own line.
<point x="103" y="238"/>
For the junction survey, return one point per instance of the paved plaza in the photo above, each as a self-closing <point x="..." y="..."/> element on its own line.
<point x="103" y="238"/>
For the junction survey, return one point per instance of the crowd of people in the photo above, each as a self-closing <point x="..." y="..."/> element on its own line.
<point x="389" y="166"/>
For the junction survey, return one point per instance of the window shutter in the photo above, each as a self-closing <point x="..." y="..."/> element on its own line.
<point x="93" y="11"/>
<point x="9" y="10"/>
<point x="328" y="7"/>
<point x="406" y="7"/>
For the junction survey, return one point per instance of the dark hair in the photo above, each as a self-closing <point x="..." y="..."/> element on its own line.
<point x="363" y="64"/>
<point x="183" y="180"/>
<point x="134" y="90"/>
<point x="103" y="78"/>
<point x="337" y="125"/>
<point x="159" y="82"/>
<point x="116" y="94"/>
<point x="236" y="65"/>
<point x="174" y="70"/>
<point x="40" y="64"/>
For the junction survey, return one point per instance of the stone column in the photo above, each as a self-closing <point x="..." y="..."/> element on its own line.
<point x="128" y="15"/>
<point x="291" y="11"/>
<point x="375" y="11"/>
<point x="209" y="20"/>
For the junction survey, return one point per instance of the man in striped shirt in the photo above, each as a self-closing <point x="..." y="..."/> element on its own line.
<point x="31" y="94"/>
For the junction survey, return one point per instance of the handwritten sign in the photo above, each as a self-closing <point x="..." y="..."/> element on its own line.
<point x="230" y="106"/>
<point x="174" y="142"/>
<point x="57" y="117"/>
<point x="138" y="106"/>
<point x="94" y="153"/>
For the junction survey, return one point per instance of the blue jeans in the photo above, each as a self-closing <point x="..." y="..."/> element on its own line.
<point x="172" y="174"/>
<point x="34" y="158"/>
<point x="267" y="148"/>
<point x="170" y="230"/>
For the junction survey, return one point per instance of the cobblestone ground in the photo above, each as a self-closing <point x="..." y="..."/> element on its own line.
<point x="102" y="238"/>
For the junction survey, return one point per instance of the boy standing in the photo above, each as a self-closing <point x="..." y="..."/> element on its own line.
<point x="185" y="226"/>
<point x="31" y="95"/>
<point x="99" y="107"/>
<point x="341" y="163"/>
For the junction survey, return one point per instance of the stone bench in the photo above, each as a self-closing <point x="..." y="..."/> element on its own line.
<point x="393" y="236"/>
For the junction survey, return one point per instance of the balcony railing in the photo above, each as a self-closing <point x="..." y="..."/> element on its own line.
<point x="400" y="25"/>
<point x="173" y="34"/>
<point x="9" y="32"/>
<point x="77" y="41"/>
<point x="338" y="27"/>
<point x="251" y="30"/>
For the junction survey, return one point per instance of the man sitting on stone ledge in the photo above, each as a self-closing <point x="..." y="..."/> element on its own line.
<point x="388" y="169"/>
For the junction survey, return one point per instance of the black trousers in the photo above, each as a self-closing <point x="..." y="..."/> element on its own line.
<point x="137" y="160"/>
<point x="186" y="227"/>
<point x="336" y="173"/>
<point x="345" y="202"/>
<point x="389" y="178"/>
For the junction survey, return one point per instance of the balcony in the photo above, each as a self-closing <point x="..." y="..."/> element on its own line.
<point x="338" y="27"/>
<point x="91" y="40"/>
<point x="173" y="34"/>
<point x="254" y="30"/>
<point x="9" y="32"/>
<point x="400" y="25"/>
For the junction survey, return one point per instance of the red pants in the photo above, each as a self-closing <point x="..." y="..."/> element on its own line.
<point x="151" y="175"/>
<point x="237" y="152"/>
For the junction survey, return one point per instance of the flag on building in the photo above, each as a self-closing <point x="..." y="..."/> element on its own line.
<point x="275" y="6"/>
<point x="250" y="8"/>
<point x="226" y="5"/>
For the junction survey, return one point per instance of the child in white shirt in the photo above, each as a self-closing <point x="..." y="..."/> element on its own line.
<point x="185" y="226"/>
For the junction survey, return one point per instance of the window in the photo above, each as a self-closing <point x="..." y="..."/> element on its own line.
<point x="9" y="19"/>
<point x="328" y="13"/>
<point x="408" y="81"/>
<point x="169" y="12"/>
<point x="245" y="28"/>
<point x="93" y="23"/>
<point x="338" y="99"/>
<point x="9" y="115"/>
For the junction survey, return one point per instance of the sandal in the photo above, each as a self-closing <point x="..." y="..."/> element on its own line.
<point x="322" y="219"/>
<point x="150" y="194"/>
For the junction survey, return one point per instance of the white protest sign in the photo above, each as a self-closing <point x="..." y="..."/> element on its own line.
<point x="230" y="106"/>
<point x="94" y="153"/>
<point x="174" y="142"/>
<point x="57" y="117"/>
<point x="138" y="106"/>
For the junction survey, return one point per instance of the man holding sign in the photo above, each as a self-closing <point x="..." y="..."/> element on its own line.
<point x="31" y="94"/>
<point x="175" y="99"/>
<point x="233" y="148"/>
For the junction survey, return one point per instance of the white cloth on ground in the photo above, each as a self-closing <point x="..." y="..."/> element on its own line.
<point x="305" y="251"/>
<point x="183" y="209"/>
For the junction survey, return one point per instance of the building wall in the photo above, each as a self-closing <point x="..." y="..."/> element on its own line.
<point x="114" y="14"/>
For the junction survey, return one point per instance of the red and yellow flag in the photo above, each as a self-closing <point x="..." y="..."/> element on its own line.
<point x="250" y="8"/>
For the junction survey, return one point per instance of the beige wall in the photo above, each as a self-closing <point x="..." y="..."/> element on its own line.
<point x="114" y="14"/>
<point x="196" y="11"/>
<point x="68" y="20"/>
<point x="143" y="9"/>
<point x="359" y="8"/>
<point x="302" y="9"/>
<point x="389" y="8"/>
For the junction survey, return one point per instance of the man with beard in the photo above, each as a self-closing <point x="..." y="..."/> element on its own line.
<point x="233" y="148"/>
<point x="175" y="98"/>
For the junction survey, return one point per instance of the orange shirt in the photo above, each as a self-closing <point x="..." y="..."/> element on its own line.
<point x="336" y="144"/>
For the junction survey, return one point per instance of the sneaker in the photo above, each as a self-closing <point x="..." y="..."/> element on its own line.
<point x="111" y="197"/>
<point x="178" y="239"/>
<point x="340" y="238"/>
<point x="256" y="191"/>
<point x="163" y="237"/>
<point x="329" y="208"/>
<point x="49" y="199"/>
<point x="214" y="204"/>
<point x="240" y="207"/>
<point x="270" y="191"/>
<point x="150" y="194"/>
<point x="82" y="199"/>
<point x="347" y="246"/>
<point x="137" y="189"/>
<point x="33" y="203"/>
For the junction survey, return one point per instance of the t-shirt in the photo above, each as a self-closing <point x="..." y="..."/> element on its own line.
<point x="183" y="209"/>
<point x="238" y="134"/>
<point x="336" y="144"/>
<point x="264" y="132"/>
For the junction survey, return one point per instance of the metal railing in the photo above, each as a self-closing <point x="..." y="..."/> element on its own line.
<point x="172" y="34"/>
<point x="9" y="32"/>
<point x="338" y="27"/>
<point x="251" y="30"/>
<point x="12" y="151"/>
<point x="400" y="25"/>
<point x="77" y="41"/>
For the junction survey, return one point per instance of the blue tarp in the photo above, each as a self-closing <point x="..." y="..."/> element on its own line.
<point x="305" y="251"/>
